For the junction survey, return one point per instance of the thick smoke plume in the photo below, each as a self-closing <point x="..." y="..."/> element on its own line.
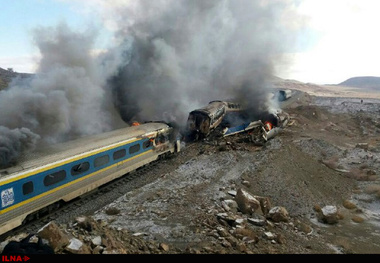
<point x="187" y="53"/>
<point x="172" y="57"/>
<point x="14" y="142"/>
<point x="64" y="100"/>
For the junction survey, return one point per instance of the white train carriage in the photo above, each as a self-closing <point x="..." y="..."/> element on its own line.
<point x="66" y="171"/>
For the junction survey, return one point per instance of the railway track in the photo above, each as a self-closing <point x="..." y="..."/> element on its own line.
<point x="64" y="212"/>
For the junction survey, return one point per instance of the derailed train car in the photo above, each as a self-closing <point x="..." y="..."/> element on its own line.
<point x="203" y="121"/>
<point x="262" y="130"/>
<point x="283" y="95"/>
<point x="231" y="118"/>
<point x="62" y="172"/>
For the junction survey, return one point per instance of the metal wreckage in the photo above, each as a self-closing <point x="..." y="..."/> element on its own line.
<point x="220" y="119"/>
<point x="260" y="132"/>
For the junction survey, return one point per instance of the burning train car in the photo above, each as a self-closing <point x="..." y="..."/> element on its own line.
<point x="260" y="131"/>
<point x="203" y="121"/>
<point x="228" y="118"/>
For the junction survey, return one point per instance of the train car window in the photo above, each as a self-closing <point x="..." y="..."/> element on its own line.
<point x="54" y="178"/>
<point x="27" y="188"/>
<point x="160" y="139"/>
<point x="101" y="160"/>
<point x="147" y="144"/>
<point x="134" y="149"/>
<point x="119" y="154"/>
<point x="80" y="168"/>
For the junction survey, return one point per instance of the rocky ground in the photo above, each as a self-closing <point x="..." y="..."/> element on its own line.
<point x="313" y="189"/>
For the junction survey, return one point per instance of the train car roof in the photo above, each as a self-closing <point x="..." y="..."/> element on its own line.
<point x="60" y="151"/>
<point x="210" y="108"/>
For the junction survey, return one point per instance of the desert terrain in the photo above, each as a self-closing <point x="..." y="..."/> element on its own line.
<point x="327" y="157"/>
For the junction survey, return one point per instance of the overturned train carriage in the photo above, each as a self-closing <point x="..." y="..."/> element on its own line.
<point x="65" y="171"/>
<point x="203" y="121"/>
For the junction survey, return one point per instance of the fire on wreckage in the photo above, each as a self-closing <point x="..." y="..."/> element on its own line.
<point x="214" y="121"/>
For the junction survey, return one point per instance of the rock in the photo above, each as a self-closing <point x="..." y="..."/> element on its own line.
<point x="223" y="232"/>
<point x="138" y="234"/>
<point x="232" y="192"/>
<point x="239" y="221"/>
<point x="278" y="214"/>
<point x="269" y="235"/>
<point x="225" y="206"/>
<point x="96" y="241"/>
<point x="3" y="244"/>
<point x="229" y="205"/>
<point x="84" y="223"/>
<point x="226" y="244"/>
<point x="56" y="238"/>
<point x="246" y="183"/>
<point x="265" y="204"/>
<point x="164" y="247"/>
<point x="228" y="218"/>
<point x="258" y="220"/>
<point x="246" y="202"/>
<point x="77" y="247"/>
<point x="329" y="215"/>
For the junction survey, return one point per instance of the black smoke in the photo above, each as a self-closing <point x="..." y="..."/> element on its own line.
<point x="169" y="58"/>
<point x="187" y="53"/>
<point x="14" y="143"/>
<point x="64" y="100"/>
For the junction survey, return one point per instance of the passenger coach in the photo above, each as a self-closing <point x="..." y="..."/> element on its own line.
<point x="63" y="172"/>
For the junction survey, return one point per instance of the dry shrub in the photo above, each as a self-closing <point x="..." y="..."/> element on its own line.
<point x="304" y="227"/>
<point x="340" y="215"/>
<point x="332" y="163"/>
<point x="317" y="208"/>
<point x="112" y="211"/>
<point x="357" y="219"/>
<point x="349" y="205"/>
<point x="372" y="178"/>
<point x="373" y="189"/>
<point x="248" y="233"/>
<point x="345" y="244"/>
<point x="371" y="172"/>
<point x="357" y="174"/>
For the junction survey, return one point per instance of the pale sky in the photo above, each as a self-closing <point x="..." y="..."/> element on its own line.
<point x="348" y="42"/>
<point x="343" y="40"/>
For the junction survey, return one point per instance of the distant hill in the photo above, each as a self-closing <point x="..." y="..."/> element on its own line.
<point x="6" y="76"/>
<point x="363" y="82"/>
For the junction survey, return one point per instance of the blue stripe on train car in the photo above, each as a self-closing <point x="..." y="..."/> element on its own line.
<point x="12" y="193"/>
<point x="236" y="129"/>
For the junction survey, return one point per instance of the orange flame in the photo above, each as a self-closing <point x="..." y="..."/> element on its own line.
<point x="135" y="123"/>
<point x="268" y="126"/>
